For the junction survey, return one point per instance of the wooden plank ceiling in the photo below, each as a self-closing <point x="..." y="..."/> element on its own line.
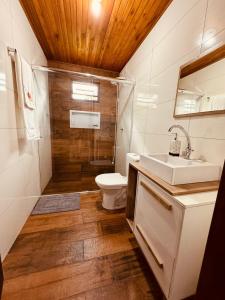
<point x="68" y="31"/>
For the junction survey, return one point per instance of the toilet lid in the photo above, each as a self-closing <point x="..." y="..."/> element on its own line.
<point x="112" y="179"/>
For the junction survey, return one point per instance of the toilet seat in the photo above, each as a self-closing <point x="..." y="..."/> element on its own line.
<point x="111" y="181"/>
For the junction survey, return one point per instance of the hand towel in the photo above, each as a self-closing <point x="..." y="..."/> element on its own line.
<point x="26" y="97"/>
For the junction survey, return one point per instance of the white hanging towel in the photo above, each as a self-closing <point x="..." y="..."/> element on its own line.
<point x="26" y="97"/>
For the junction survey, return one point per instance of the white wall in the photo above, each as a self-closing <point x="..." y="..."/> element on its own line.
<point x="20" y="180"/>
<point x="185" y="30"/>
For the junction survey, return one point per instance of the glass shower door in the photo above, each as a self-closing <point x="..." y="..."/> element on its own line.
<point x="83" y="120"/>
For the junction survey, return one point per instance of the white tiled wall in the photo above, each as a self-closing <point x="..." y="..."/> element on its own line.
<point x="175" y="40"/>
<point x="25" y="167"/>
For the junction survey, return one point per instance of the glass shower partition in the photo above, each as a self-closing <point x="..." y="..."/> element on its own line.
<point x="83" y="120"/>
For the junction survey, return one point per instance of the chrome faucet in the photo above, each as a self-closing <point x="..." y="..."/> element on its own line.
<point x="187" y="152"/>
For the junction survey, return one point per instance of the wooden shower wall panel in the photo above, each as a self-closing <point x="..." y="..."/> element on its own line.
<point x="72" y="148"/>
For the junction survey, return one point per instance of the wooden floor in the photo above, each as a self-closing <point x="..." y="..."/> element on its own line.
<point x="80" y="255"/>
<point x="85" y="183"/>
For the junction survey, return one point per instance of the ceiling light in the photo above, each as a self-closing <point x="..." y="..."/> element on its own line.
<point x="96" y="7"/>
<point x="209" y="38"/>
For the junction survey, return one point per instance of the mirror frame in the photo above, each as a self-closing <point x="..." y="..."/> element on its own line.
<point x="194" y="66"/>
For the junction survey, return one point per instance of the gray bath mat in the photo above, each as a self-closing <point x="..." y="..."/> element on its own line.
<point x="57" y="203"/>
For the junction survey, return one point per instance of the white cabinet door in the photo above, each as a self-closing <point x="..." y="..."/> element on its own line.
<point x="158" y="221"/>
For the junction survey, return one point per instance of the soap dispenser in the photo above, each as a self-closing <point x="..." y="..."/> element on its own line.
<point x="175" y="146"/>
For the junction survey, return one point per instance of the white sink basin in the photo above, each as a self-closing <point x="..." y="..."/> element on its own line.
<point x="177" y="170"/>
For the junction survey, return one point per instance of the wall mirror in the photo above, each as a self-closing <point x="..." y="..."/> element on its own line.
<point x="201" y="86"/>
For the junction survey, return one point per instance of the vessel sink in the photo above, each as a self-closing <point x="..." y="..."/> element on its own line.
<point x="177" y="170"/>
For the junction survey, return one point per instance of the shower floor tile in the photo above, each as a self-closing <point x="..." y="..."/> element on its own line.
<point x="84" y="184"/>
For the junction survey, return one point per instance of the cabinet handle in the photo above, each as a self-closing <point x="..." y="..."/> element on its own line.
<point x="157" y="197"/>
<point x="155" y="256"/>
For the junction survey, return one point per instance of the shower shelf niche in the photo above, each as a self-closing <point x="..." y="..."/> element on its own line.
<point x="85" y="119"/>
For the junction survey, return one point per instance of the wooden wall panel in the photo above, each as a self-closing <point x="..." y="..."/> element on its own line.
<point x="69" y="32"/>
<point x="72" y="148"/>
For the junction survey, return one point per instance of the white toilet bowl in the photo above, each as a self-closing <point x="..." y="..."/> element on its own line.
<point x="114" y="186"/>
<point x="114" y="190"/>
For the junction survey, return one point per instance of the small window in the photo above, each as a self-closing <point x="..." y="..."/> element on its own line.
<point x="84" y="91"/>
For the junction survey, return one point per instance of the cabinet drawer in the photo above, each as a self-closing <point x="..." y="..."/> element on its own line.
<point x="158" y="220"/>
<point x="158" y="214"/>
<point x="158" y="258"/>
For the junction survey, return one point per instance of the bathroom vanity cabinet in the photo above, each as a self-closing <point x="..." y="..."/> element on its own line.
<point x="171" y="229"/>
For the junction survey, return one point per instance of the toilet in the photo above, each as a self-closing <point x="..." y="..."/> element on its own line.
<point x="114" y="186"/>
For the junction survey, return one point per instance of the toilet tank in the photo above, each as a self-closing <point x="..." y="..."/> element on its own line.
<point x="131" y="157"/>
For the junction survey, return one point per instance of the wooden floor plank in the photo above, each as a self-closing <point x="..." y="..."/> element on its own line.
<point x="85" y="183"/>
<point x="81" y="255"/>
<point x="93" y="215"/>
<point x="93" y="271"/>
<point x="127" y="289"/>
<point x="104" y="271"/>
<point x="76" y="297"/>
<point x="26" y="243"/>
<point x="116" y="225"/>
<point x="92" y="210"/>
<point x="33" y="256"/>
<point x="91" y="201"/>
<point x="117" y="290"/>
<point x="129" y="264"/>
<point x="55" y="284"/>
<point x="52" y="221"/>
<point x="133" y="265"/>
<point x="108" y="244"/>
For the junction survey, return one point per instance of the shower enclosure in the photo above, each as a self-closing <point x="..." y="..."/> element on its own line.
<point x="83" y="112"/>
<point x="80" y="141"/>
